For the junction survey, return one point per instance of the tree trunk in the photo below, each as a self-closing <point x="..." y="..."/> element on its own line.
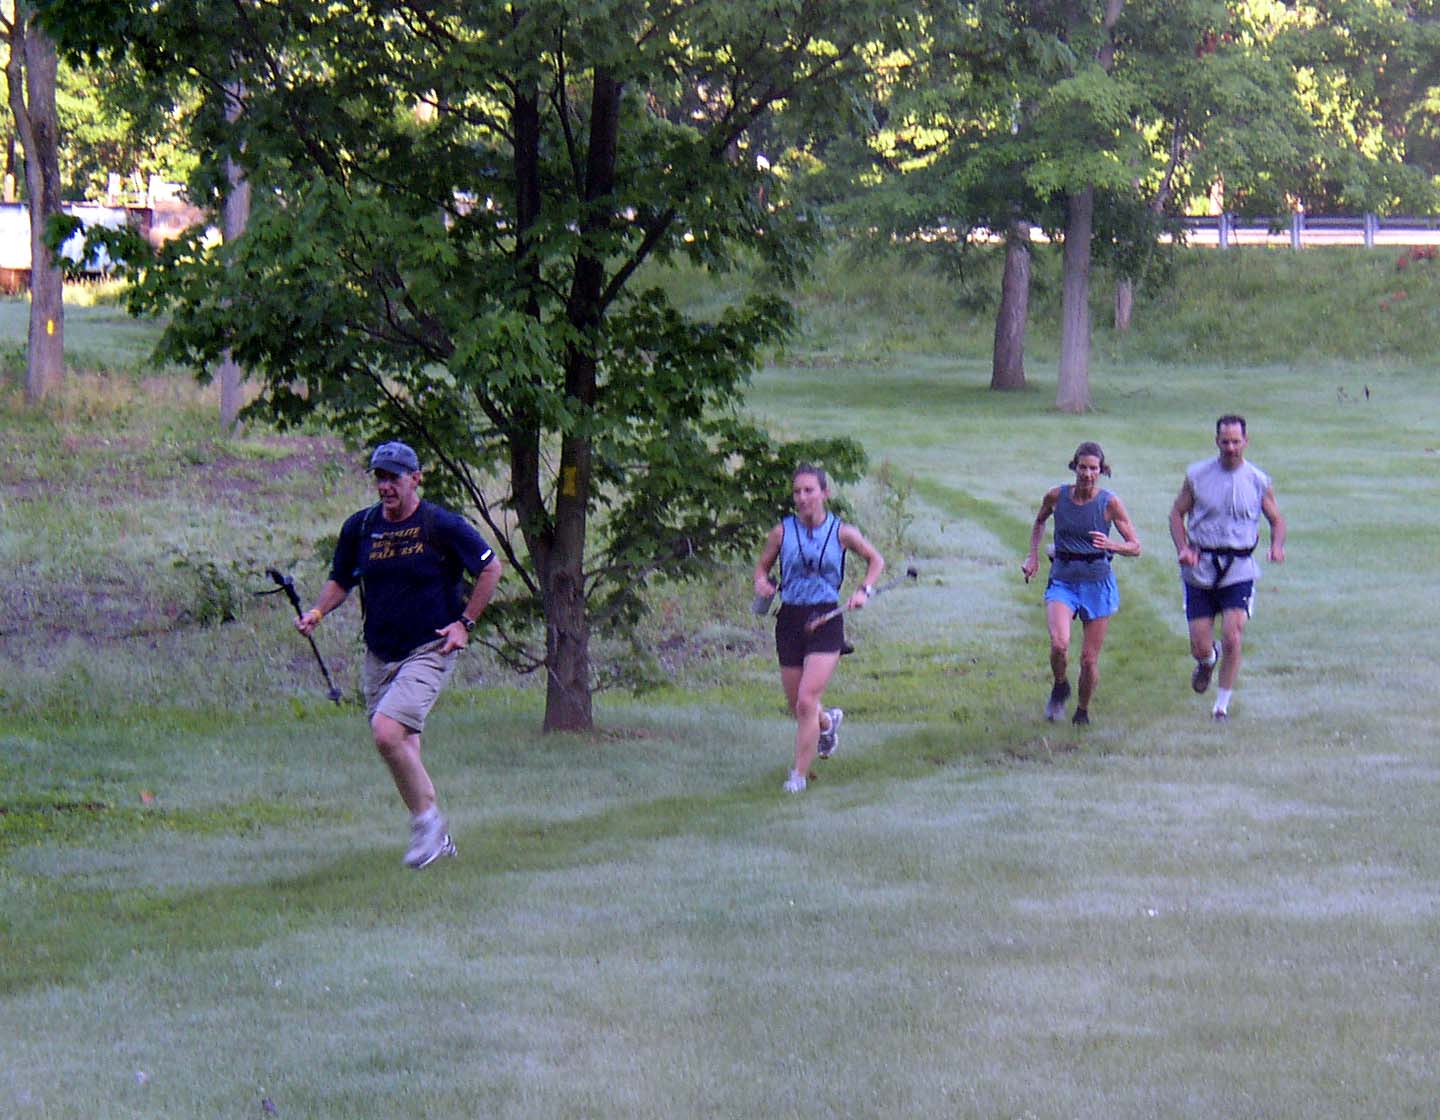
<point x="1073" y="390"/>
<point x="1073" y="393"/>
<point x="1124" y="303"/>
<point x="1007" y="370"/>
<point x="557" y="561"/>
<point x="31" y="74"/>
<point x="567" y="694"/>
<point x="236" y="216"/>
<point x="567" y="622"/>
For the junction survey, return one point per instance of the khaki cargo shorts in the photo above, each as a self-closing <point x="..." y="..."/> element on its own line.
<point x="406" y="690"/>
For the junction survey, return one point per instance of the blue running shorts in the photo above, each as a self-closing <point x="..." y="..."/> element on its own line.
<point x="1092" y="599"/>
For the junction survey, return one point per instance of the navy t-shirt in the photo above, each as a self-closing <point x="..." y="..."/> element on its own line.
<point x="411" y="571"/>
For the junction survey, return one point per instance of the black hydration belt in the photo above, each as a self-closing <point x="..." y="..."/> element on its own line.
<point x="1224" y="557"/>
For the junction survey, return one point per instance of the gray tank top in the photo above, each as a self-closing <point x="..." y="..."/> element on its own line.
<point x="1076" y="559"/>
<point x="1226" y="516"/>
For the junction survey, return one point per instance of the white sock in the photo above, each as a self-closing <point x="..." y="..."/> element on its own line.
<point x="1222" y="699"/>
<point x="427" y="816"/>
<point x="1211" y="659"/>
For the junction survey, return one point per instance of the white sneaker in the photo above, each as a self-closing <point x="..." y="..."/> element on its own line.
<point x="428" y="840"/>
<point x="795" y="783"/>
<point x="829" y="740"/>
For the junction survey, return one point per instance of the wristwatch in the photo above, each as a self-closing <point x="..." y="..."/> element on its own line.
<point x="869" y="590"/>
<point x="468" y="623"/>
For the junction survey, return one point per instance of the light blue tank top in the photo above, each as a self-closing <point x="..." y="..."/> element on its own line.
<point x="812" y="562"/>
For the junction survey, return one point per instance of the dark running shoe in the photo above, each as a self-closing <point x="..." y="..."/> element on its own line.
<point x="1055" y="706"/>
<point x="1082" y="717"/>
<point x="1200" y="678"/>
<point x="1220" y="717"/>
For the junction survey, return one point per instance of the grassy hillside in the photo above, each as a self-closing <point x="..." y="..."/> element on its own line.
<point x="1247" y="306"/>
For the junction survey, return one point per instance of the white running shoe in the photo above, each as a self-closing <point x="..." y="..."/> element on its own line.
<point x="795" y="783"/>
<point x="428" y="840"/>
<point x="830" y="740"/>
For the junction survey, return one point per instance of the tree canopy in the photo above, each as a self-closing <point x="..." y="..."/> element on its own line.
<point x="453" y="206"/>
<point x="996" y="117"/>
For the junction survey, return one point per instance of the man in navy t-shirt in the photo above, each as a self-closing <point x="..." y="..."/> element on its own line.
<point x="408" y="557"/>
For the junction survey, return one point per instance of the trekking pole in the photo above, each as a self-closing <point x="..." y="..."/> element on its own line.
<point x="911" y="575"/>
<point x="286" y="584"/>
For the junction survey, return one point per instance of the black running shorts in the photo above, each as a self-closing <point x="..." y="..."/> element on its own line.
<point x="792" y="643"/>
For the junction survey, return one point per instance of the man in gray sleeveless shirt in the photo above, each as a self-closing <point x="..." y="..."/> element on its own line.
<point x="1215" y="524"/>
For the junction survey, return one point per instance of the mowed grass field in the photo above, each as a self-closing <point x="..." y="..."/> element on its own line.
<point x="972" y="913"/>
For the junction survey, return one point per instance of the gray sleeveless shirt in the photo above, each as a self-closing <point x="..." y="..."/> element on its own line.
<point x="1076" y="559"/>
<point x="1226" y="514"/>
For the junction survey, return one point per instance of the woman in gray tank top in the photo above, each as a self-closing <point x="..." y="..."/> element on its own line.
<point x="1081" y="582"/>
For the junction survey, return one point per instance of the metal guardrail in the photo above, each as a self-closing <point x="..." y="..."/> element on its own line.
<point x="1299" y="231"/>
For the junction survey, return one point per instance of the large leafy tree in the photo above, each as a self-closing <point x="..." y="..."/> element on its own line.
<point x="1367" y="74"/>
<point x="1006" y="116"/>
<point x="453" y="203"/>
<point x="1099" y="122"/>
<point x="952" y="145"/>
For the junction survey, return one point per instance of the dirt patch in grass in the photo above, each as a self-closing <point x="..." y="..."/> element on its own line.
<point x="79" y="472"/>
<point x="53" y="614"/>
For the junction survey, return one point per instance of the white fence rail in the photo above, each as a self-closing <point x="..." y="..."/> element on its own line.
<point x="1298" y="231"/>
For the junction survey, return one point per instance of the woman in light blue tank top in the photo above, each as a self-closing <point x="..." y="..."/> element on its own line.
<point x="1081" y="582"/>
<point x="811" y="545"/>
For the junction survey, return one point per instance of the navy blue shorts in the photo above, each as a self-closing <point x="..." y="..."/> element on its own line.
<point x="792" y="643"/>
<point x="1207" y="602"/>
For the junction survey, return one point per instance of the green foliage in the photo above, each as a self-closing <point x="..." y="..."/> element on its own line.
<point x="449" y="213"/>
<point x="215" y="590"/>
<point x="897" y="502"/>
<point x="110" y="127"/>
<point x="994" y="112"/>
<point x="1367" y="68"/>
